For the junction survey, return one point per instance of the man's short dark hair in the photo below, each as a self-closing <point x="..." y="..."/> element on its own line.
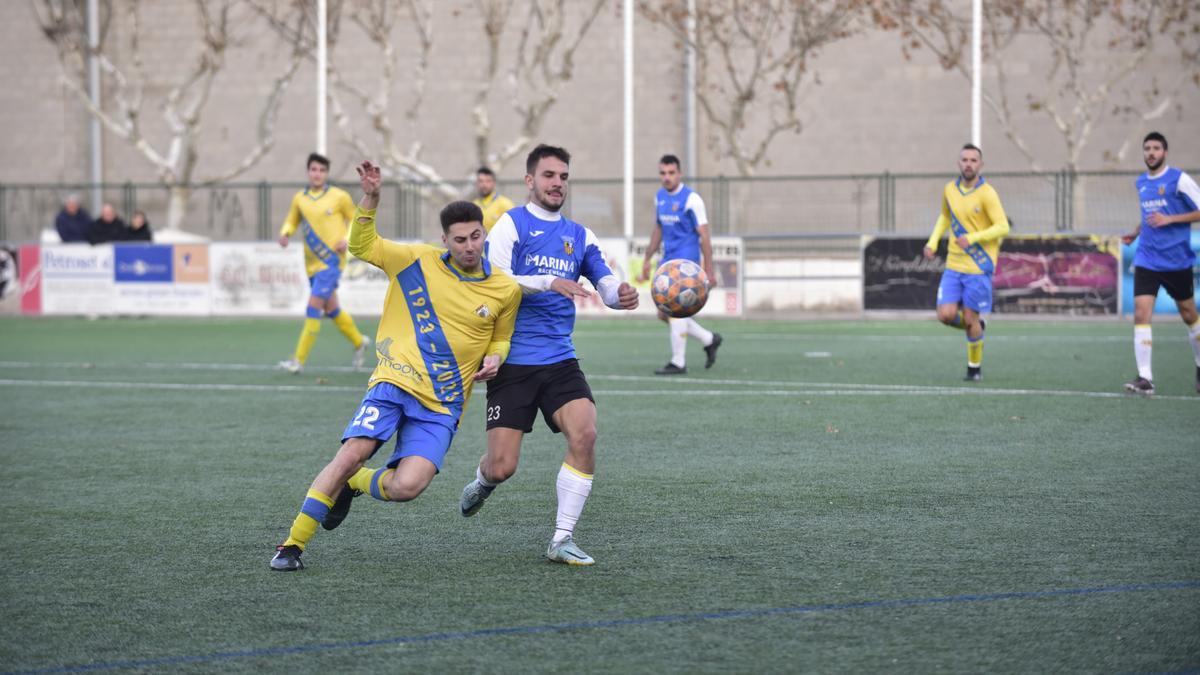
<point x="972" y="146"/>
<point x="319" y="159"/>
<point x="460" y="212"/>
<point x="484" y="171"/>
<point x="1155" y="136"/>
<point x="544" y="150"/>
<point x="669" y="159"/>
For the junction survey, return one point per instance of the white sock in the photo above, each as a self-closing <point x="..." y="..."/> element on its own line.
<point x="483" y="481"/>
<point x="573" y="489"/>
<point x="1143" y="344"/>
<point x="699" y="332"/>
<point x="1194" y="336"/>
<point x="679" y="332"/>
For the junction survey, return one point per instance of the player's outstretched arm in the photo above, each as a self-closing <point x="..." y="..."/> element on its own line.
<point x="362" y="231"/>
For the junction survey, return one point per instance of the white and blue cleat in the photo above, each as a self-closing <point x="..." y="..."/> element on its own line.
<point x="568" y="553"/>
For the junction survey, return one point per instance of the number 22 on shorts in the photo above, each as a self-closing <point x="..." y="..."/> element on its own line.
<point x="368" y="422"/>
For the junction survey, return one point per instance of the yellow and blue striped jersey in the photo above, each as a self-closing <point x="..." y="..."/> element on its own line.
<point x="323" y="220"/>
<point x="978" y="214"/>
<point x="438" y="323"/>
<point x="493" y="206"/>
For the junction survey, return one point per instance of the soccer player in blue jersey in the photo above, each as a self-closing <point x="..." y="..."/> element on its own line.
<point x="322" y="214"/>
<point x="447" y="321"/>
<point x="1169" y="200"/>
<point x="547" y="254"/>
<point x="681" y="226"/>
<point x="972" y="212"/>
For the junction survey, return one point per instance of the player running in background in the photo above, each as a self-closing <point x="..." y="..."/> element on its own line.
<point x="1168" y="198"/>
<point x="547" y="254"/>
<point x="488" y="199"/>
<point x="681" y="226"/>
<point x="447" y="322"/>
<point x="971" y="210"/>
<point x="322" y="214"/>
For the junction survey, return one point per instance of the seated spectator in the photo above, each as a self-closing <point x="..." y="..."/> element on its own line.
<point x="108" y="227"/>
<point x="73" y="222"/>
<point x="139" y="227"/>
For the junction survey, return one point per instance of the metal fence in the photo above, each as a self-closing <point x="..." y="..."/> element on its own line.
<point x="763" y="208"/>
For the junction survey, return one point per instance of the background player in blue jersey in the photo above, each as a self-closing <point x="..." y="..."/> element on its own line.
<point x="547" y="254"/>
<point x="1168" y="199"/>
<point x="681" y="226"/>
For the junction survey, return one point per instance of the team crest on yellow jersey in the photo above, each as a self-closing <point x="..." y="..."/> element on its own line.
<point x="329" y="212"/>
<point x="569" y="245"/>
<point x="483" y="311"/>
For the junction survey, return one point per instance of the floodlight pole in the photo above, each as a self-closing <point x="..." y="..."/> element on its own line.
<point x="322" y="74"/>
<point x="95" y="133"/>
<point x="689" y="94"/>
<point x="627" y="10"/>
<point x="976" y="68"/>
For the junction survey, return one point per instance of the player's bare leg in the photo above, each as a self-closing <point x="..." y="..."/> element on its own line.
<point x="497" y="465"/>
<point x="577" y="420"/>
<point x="1143" y="345"/>
<point x="1191" y="319"/>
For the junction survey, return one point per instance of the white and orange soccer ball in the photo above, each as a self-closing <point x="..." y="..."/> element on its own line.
<point x="680" y="288"/>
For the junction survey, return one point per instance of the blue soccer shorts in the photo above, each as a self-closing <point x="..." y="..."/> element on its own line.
<point x="325" y="282"/>
<point x="974" y="291"/>
<point x="421" y="432"/>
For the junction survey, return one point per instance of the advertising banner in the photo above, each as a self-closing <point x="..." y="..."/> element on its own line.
<point x="77" y="279"/>
<point x="161" y="280"/>
<point x="30" y="270"/>
<point x="1068" y="274"/>
<point x="625" y="258"/>
<point x="257" y="279"/>
<point x="1163" y="304"/>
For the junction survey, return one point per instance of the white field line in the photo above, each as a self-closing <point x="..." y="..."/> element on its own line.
<point x="855" y="390"/>
<point x="792" y="338"/>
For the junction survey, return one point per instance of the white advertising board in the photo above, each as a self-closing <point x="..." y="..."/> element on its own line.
<point x="77" y="279"/>
<point x="257" y="279"/>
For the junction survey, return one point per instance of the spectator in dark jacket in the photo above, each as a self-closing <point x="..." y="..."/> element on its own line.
<point x="108" y="227"/>
<point x="73" y="222"/>
<point x="139" y="227"/>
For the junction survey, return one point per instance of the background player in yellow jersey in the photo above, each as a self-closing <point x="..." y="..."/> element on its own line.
<point x="322" y="214"/>
<point x="490" y="200"/>
<point x="447" y="323"/>
<point x="972" y="212"/>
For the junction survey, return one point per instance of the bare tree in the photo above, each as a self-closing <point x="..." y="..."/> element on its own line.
<point x="1081" y="85"/>
<point x="542" y="61"/>
<point x="753" y="62"/>
<point x="175" y="157"/>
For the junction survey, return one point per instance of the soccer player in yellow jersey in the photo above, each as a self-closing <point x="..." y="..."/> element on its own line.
<point x="492" y="202"/>
<point x="447" y="323"/>
<point x="972" y="212"/>
<point x="322" y="214"/>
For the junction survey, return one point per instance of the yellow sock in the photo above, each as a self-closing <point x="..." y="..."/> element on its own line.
<point x="316" y="506"/>
<point x="371" y="482"/>
<point x="308" y="336"/>
<point x="345" y="323"/>
<point x="975" y="352"/>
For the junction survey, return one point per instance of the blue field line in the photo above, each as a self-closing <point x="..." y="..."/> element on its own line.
<point x="453" y="636"/>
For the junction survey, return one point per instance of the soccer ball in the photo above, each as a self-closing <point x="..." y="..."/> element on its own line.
<point x="680" y="288"/>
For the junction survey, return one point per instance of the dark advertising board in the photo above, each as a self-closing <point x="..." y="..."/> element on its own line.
<point x="1050" y="274"/>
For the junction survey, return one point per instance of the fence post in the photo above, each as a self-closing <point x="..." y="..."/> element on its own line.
<point x="263" y="194"/>
<point x="128" y="199"/>
<point x="723" y="203"/>
<point x="3" y="214"/>
<point x="398" y="197"/>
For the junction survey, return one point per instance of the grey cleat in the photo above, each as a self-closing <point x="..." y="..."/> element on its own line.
<point x="473" y="497"/>
<point x="287" y="559"/>
<point x="1140" y="385"/>
<point x="568" y="553"/>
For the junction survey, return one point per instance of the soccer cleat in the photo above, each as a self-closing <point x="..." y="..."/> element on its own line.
<point x="360" y="352"/>
<point x="1140" y="385"/>
<point x="473" y="497"/>
<point x="287" y="559"/>
<point x="292" y="366"/>
<point x="568" y="553"/>
<point x="974" y="374"/>
<point x="341" y="507"/>
<point x="710" y="352"/>
<point x="671" y="369"/>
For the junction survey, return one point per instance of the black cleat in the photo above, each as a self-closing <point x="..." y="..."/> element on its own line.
<point x="671" y="369"/>
<point x="1140" y="385"/>
<point x="974" y="374"/>
<point x="710" y="352"/>
<point x="287" y="559"/>
<point x="341" y="507"/>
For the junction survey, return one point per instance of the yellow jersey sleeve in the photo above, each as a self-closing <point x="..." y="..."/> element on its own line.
<point x="366" y="245"/>
<point x="939" y="227"/>
<point x="998" y="220"/>
<point x="292" y="221"/>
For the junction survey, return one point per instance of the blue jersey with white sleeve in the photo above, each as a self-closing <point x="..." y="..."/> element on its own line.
<point x="1167" y="248"/>
<point x="536" y="246"/>
<point x="679" y="214"/>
